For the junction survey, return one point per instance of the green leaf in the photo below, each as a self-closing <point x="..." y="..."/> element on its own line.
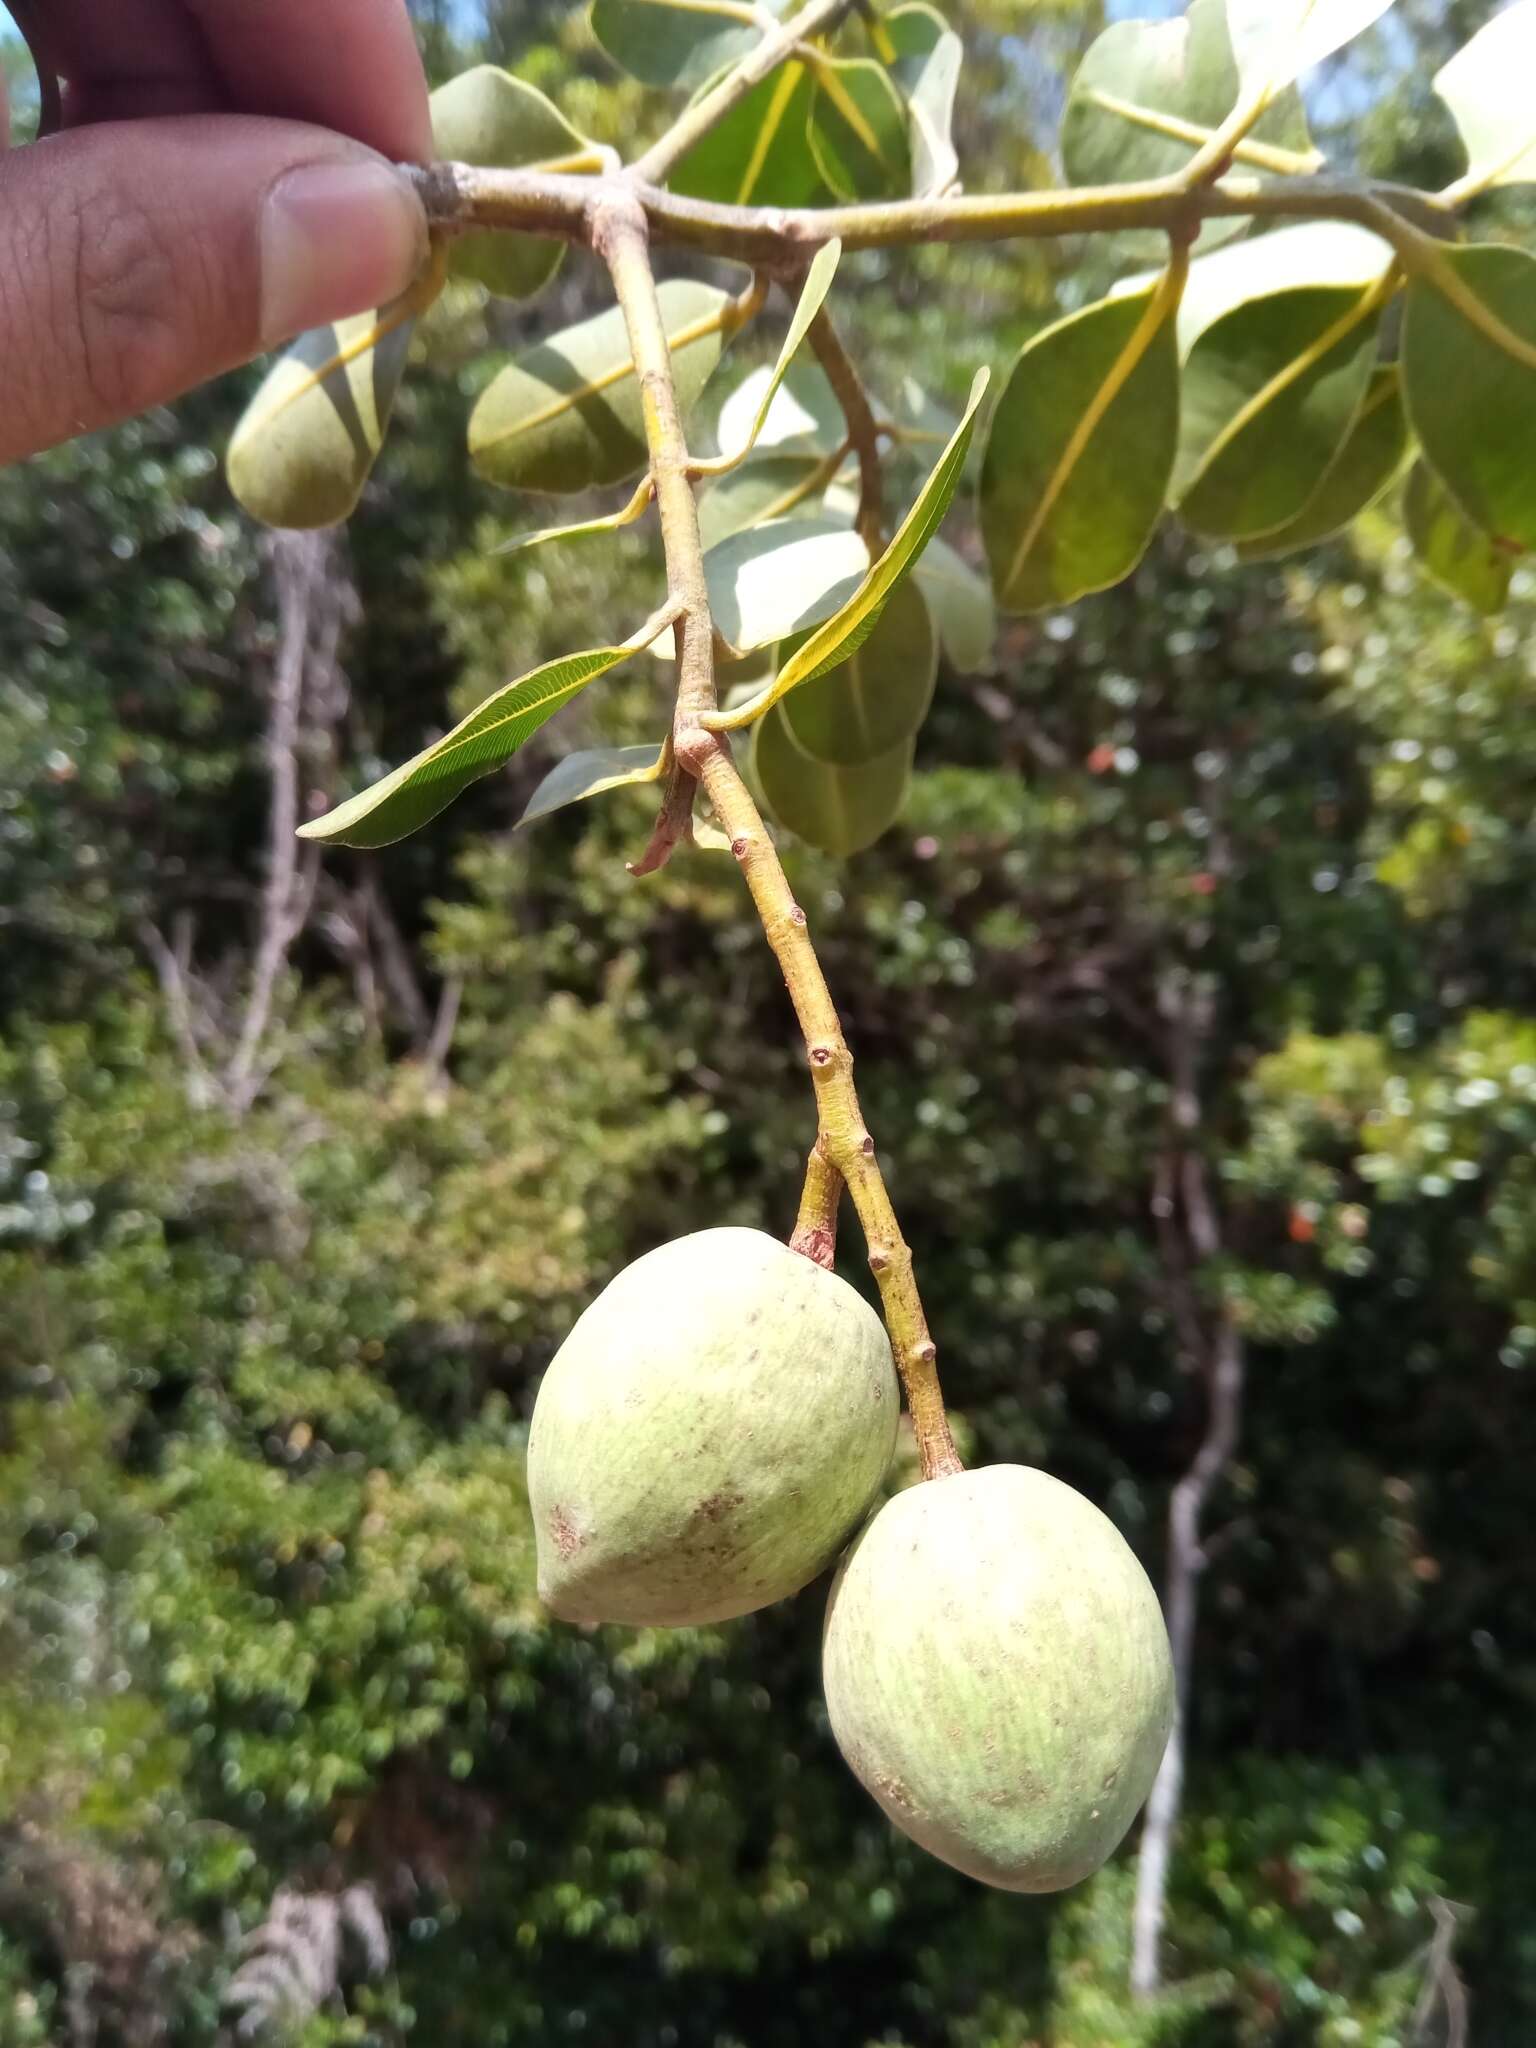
<point x="566" y="416"/>
<point x="849" y="627"/>
<point x="417" y="790"/>
<point x="1080" y="449"/>
<point x="773" y="580"/>
<point x="858" y="130"/>
<point x="1370" y="457"/>
<point x="767" y="487"/>
<point x="302" y="449"/>
<point x="679" y="44"/>
<point x="1319" y="252"/>
<point x="1471" y="394"/>
<point x="591" y="772"/>
<point x="839" y="810"/>
<point x="1150" y="93"/>
<point x="818" y="281"/>
<point x="1270" y="394"/>
<point x="606" y="522"/>
<point x="925" y="59"/>
<point x="1487" y="87"/>
<point x="760" y="154"/>
<point x="803" y="415"/>
<point x="879" y="696"/>
<point x="961" y="605"/>
<point x="1460" y="556"/>
<point x="1274" y="41"/>
<point x="486" y="116"/>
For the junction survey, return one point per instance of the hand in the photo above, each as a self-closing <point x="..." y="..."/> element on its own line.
<point x="222" y="180"/>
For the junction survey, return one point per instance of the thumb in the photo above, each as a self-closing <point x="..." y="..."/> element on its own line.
<point x="138" y="258"/>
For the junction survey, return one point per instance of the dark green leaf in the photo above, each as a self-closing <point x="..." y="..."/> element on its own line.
<point x="961" y="605"/>
<point x="760" y="154"/>
<point x="840" y="810"/>
<point x="1371" y="456"/>
<point x="858" y="130"/>
<point x="879" y="696"/>
<point x="1459" y="555"/>
<point x="486" y="116"/>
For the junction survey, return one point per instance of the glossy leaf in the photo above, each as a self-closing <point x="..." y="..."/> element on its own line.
<point x="1079" y="451"/>
<point x="858" y="130"/>
<point x="879" y="696"/>
<point x="1471" y="394"/>
<point x="1487" y="86"/>
<point x="760" y="154"/>
<point x="803" y="414"/>
<point x="409" y="795"/>
<point x="1321" y="252"/>
<point x="486" y="116"/>
<point x="679" y="45"/>
<point x="304" y="446"/>
<point x="961" y="605"/>
<point x="1150" y="93"/>
<point x="839" y="810"/>
<point x="776" y="579"/>
<point x="592" y="772"/>
<point x="1365" y="465"/>
<point x="1275" y="41"/>
<point x="566" y="416"/>
<point x="767" y="487"/>
<point x="925" y="59"/>
<point x="851" y="625"/>
<point x="1270" y="395"/>
<point x="813" y="293"/>
<point x="1457" y="554"/>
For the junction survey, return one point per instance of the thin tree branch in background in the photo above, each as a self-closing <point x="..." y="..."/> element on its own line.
<point x="434" y="1058"/>
<point x="172" y="964"/>
<point x="863" y="428"/>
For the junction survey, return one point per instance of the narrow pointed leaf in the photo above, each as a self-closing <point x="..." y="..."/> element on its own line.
<point x="679" y="44"/>
<point x="813" y="293"/>
<point x="1371" y="456"/>
<point x="486" y="116"/>
<point x="839" y="810"/>
<point x="1487" y="86"/>
<point x="858" y="130"/>
<point x="926" y="69"/>
<point x="592" y="772"/>
<point x="1270" y="395"/>
<point x="1275" y="41"/>
<point x="1471" y="395"/>
<point x="1148" y="95"/>
<point x="961" y="605"/>
<point x="852" y="624"/>
<point x="405" y="799"/>
<point x="803" y="414"/>
<point x="566" y="416"/>
<point x="760" y="154"/>
<point x="773" y="580"/>
<point x="1458" y="555"/>
<point x="1079" y="451"/>
<point x="767" y="487"/>
<point x="876" y="699"/>
<point x="304" y="446"/>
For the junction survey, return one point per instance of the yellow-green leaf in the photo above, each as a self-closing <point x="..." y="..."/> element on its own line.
<point x="853" y="623"/>
<point x="858" y="130"/>
<point x="839" y="810"/>
<point x="566" y="416"/>
<point x="961" y="605"/>
<point x="1080" y="449"/>
<point x="605" y="522"/>
<point x="1364" y="466"/>
<point x="760" y="154"/>
<point x="925" y="60"/>
<point x="879" y="696"/>
<point x="592" y="772"/>
<point x="1458" y="555"/>
<point x="813" y="293"/>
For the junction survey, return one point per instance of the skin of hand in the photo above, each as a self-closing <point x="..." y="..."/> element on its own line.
<point x="224" y="177"/>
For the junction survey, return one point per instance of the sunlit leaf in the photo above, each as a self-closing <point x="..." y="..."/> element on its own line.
<point x="1471" y="394"/>
<point x="776" y="579"/>
<point x="566" y="416"/>
<point x="839" y="810"/>
<point x="1271" y="392"/>
<point x="1457" y="554"/>
<point x="604" y="522"/>
<point x="813" y="293"/>
<point x="926" y="67"/>
<point x="858" y="130"/>
<point x="1317" y="252"/>
<point x="803" y="414"/>
<point x="767" y="487"/>
<point x="409" y="795"/>
<point x="678" y="44"/>
<point x="1487" y="86"/>
<point x="961" y="605"/>
<point x="1079" y="451"/>
<point x="1371" y="456"/>
<point x="879" y="696"/>
<point x="592" y="772"/>
<point x="760" y="154"/>
<point x="1275" y="41"/>
<point x="852" y="624"/>
<point x="486" y="116"/>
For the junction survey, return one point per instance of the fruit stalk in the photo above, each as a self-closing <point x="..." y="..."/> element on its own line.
<point x="620" y="236"/>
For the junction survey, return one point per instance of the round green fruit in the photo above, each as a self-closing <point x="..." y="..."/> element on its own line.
<point x="708" y="1434"/>
<point x="998" y="1675"/>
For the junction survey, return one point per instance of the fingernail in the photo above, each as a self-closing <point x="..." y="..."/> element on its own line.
<point x="336" y="238"/>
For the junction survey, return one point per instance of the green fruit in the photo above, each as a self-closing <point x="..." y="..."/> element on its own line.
<point x="998" y="1675"/>
<point x="708" y="1434"/>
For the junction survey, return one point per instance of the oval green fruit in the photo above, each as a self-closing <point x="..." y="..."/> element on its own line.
<point x="708" y="1434"/>
<point x="998" y="1675"/>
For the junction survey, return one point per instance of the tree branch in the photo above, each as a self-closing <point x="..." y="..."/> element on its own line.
<point x="863" y="428"/>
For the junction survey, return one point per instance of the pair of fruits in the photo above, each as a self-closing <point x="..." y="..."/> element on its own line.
<point x="995" y="1662"/>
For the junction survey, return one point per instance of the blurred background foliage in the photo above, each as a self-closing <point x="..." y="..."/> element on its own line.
<point x="295" y="1207"/>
